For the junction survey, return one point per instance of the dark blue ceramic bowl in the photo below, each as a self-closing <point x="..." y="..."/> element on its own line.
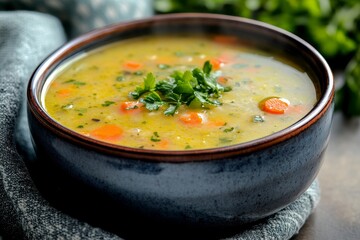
<point x="118" y="187"/>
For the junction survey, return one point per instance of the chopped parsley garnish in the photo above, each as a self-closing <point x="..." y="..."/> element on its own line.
<point x="225" y="140"/>
<point x="198" y="85"/>
<point x="226" y="130"/>
<point x="155" y="137"/>
<point x="120" y="78"/>
<point x="74" y="82"/>
<point x="67" y="106"/>
<point x="107" y="103"/>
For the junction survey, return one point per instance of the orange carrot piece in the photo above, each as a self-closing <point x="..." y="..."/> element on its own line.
<point x="131" y="107"/>
<point x="64" y="92"/>
<point x="54" y="84"/>
<point x="217" y="123"/>
<point x="132" y="65"/>
<point x="109" y="132"/>
<point x="222" y="80"/>
<point x="163" y="144"/>
<point x="191" y="118"/>
<point x="275" y="105"/>
<point x="216" y="63"/>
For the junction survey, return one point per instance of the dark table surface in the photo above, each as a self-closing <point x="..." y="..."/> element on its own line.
<point x="338" y="214"/>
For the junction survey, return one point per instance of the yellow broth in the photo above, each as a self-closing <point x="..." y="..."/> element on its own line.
<point x="87" y="94"/>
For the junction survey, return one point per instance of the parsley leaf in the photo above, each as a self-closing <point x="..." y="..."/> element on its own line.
<point x="165" y="87"/>
<point x="149" y="85"/>
<point x="226" y="130"/>
<point x="75" y="82"/>
<point x="171" y="110"/>
<point x="155" y="137"/>
<point x="152" y="101"/>
<point x="107" y="103"/>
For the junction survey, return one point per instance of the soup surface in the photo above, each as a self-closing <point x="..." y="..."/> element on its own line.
<point x="93" y="93"/>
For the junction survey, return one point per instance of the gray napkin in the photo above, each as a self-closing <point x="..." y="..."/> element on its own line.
<point x="25" y="39"/>
<point x="79" y="16"/>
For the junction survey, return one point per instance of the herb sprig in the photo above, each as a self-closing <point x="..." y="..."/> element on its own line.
<point x="198" y="86"/>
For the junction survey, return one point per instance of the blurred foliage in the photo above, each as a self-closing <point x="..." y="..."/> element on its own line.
<point x="348" y="97"/>
<point x="331" y="26"/>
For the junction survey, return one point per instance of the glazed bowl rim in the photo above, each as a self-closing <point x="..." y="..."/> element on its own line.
<point x="43" y="71"/>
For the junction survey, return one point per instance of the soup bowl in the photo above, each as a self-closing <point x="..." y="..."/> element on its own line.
<point x="118" y="187"/>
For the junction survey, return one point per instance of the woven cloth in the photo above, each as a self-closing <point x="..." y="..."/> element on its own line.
<point x="26" y="38"/>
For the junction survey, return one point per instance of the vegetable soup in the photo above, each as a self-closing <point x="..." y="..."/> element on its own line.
<point x="178" y="92"/>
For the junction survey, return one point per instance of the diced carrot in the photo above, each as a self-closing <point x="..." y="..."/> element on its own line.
<point x="63" y="92"/>
<point x="132" y="65"/>
<point x="109" y="132"/>
<point x="216" y="123"/>
<point x="223" y="39"/>
<point x="54" y="84"/>
<point x="191" y="118"/>
<point x="216" y="63"/>
<point x="131" y="107"/>
<point x="163" y="144"/>
<point x="222" y="80"/>
<point x="221" y="60"/>
<point x="275" y="105"/>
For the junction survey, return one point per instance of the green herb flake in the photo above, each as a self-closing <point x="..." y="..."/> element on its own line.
<point x="70" y="81"/>
<point x="155" y="137"/>
<point x="81" y="110"/>
<point x="80" y="126"/>
<point x="224" y="140"/>
<point x="67" y="106"/>
<point x="120" y="78"/>
<point x="74" y="82"/>
<point x="226" y="130"/>
<point x="107" y="103"/>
